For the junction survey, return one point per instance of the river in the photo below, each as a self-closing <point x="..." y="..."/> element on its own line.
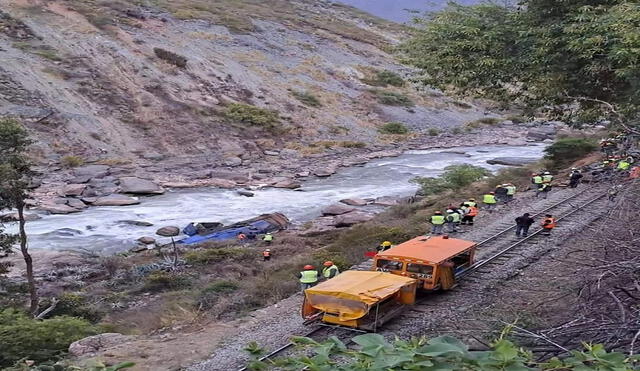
<point x="102" y="229"/>
<point x="401" y="11"/>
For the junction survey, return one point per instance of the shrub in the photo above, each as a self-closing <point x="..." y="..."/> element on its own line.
<point x="393" y="128"/>
<point x="162" y="281"/>
<point x="207" y="256"/>
<point x="567" y="150"/>
<point x="453" y="178"/>
<point x="457" y="130"/>
<point x="483" y="121"/>
<point x="171" y="57"/>
<point x="461" y="104"/>
<point x="71" y="161"/>
<point x="307" y="98"/>
<point x="390" y="98"/>
<point x="352" y="144"/>
<point x="385" y="78"/>
<point x="338" y="258"/>
<point x="74" y="305"/>
<point x="517" y="119"/>
<point x="252" y="115"/>
<point x="433" y="132"/>
<point x="24" y="337"/>
<point x="209" y="295"/>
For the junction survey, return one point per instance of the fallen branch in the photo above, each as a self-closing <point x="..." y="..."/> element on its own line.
<point x="623" y="313"/>
<point x="51" y="307"/>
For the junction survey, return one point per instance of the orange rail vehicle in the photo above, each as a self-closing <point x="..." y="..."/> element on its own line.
<point x="434" y="261"/>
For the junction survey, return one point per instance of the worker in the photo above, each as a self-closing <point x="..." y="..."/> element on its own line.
<point x="574" y="177"/>
<point x="536" y="180"/>
<point x="437" y="220"/>
<point x="547" y="178"/>
<point x="511" y="191"/>
<point x="501" y="192"/>
<point x="242" y="238"/>
<point x="623" y="165"/>
<point x="386" y="245"/>
<point x="544" y="190"/>
<point x="268" y="238"/>
<point x="452" y="220"/>
<point x="308" y="277"/>
<point x="548" y="224"/>
<point x="522" y="225"/>
<point x="266" y="255"/>
<point x="467" y="219"/>
<point x="489" y="201"/>
<point x="330" y="270"/>
<point x="472" y="202"/>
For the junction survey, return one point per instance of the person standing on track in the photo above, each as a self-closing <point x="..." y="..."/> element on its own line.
<point x="548" y="223"/>
<point x="452" y="220"/>
<point x="472" y="212"/>
<point x="511" y="192"/>
<point x="489" y="201"/>
<point x="522" y="225"/>
<point x="437" y="220"/>
<point x="574" y="178"/>
<point x="544" y="190"/>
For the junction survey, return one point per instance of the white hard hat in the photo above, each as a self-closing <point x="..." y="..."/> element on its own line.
<point x="547" y="173"/>
<point x="449" y="211"/>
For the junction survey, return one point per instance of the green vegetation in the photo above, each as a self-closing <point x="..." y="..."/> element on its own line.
<point x="384" y="79"/>
<point x="206" y="256"/>
<point x="489" y="121"/>
<point x="433" y="132"/>
<point x="374" y="352"/>
<point x="209" y="295"/>
<point x="162" y="281"/>
<point x="171" y="57"/>
<point x="390" y="98"/>
<point x="24" y="337"/>
<point x="453" y="178"/>
<point x="73" y="305"/>
<point x="457" y="130"/>
<point x="564" y="54"/>
<point x="566" y="150"/>
<point x="393" y="128"/>
<point x="71" y="161"/>
<point x="307" y="98"/>
<point x="252" y="115"/>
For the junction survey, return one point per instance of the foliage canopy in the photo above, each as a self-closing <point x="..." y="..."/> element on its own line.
<point x="566" y="150"/>
<point x="453" y="178"/>
<point x="573" y="57"/>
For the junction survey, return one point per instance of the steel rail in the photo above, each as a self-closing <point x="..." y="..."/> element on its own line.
<point x="562" y="202"/>
<point x="479" y="264"/>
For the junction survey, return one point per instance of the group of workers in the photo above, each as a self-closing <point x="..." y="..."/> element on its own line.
<point x="524" y="222"/>
<point x="454" y="217"/>
<point x="542" y="183"/>
<point x="309" y="277"/>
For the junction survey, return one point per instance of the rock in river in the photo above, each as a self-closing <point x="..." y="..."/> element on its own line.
<point x="245" y="193"/>
<point x="115" y="200"/>
<point x="168" y="231"/>
<point x="13" y="217"/>
<point x="289" y="183"/>
<point x="58" y="209"/>
<point x="147" y="240"/>
<point x="512" y="161"/>
<point x="130" y="184"/>
<point x="337" y="209"/>
<point x="354" y="202"/>
<point x="386" y="201"/>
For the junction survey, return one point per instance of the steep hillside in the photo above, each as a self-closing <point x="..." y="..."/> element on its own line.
<point x="147" y="81"/>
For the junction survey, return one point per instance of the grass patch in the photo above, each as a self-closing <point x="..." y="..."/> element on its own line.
<point x="461" y="104"/>
<point x="71" y="161"/>
<point x="393" y="128"/>
<point x="485" y="121"/>
<point x="339" y="130"/>
<point x="566" y="150"/>
<point x="307" y="98"/>
<point x="433" y="132"/>
<point x="384" y="79"/>
<point x="158" y="281"/>
<point x="390" y="98"/>
<point x="208" y="296"/>
<point x="171" y="57"/>
<point x="252" y="115"/>
<point x="207" y="256"/>
<point x="517" y="119"/>
<point x="328" y="144"/>
<point x="457" y="130"/>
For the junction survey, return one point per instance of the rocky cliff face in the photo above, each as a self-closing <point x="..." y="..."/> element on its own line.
<point x="156" y="80"/>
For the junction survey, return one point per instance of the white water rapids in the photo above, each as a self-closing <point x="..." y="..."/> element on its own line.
<point x="101" y="229"/>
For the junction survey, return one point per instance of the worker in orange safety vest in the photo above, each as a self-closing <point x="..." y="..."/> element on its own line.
<point x="548" y="223"/>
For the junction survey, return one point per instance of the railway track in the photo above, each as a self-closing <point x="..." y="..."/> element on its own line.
<point x="499" y="245"/>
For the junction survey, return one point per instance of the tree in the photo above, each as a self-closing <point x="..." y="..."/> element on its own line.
<point x="453" y="178"/>
<point x="577" y="58"/>
<point x="15" y="177"/>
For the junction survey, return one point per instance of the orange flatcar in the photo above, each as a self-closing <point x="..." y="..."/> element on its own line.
<point x="434" y="261"/>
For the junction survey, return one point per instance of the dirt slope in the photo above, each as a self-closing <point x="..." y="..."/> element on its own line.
<point x="85" y="78"/>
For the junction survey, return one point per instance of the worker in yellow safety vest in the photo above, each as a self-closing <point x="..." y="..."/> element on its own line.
<point x="536" y="180"/>
<point x="511" y="191"/>
<point x="547" y="178"/>
<point x="268" y="238"/>
<point x="472" y="202"/>
<point x="330" y="270"/>
<point x="452" y="221"/>
<point x="489" y="201"/>
<point x="623" y="165"/>
<point x="437" y="220"/>
<point x="308" y="277"/>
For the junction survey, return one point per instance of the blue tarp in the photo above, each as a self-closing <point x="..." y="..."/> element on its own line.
<point x="254" y="228"/>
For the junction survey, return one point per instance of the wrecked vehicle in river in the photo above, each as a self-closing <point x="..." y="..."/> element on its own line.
<point x="203" y="232"/>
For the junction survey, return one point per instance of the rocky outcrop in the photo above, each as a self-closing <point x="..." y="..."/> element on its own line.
<point x="541" y="133"/>
<point x="73" y="189"/>
<point x="385" y="201"/>
<point x="92" y="171"/>
<point x="349" y="219"/>
<point x="337" y="209"/>
<point x="146" y="240"/>
<point x="58" y="209"/>
<point x="96" y="343"/>
<point x="115" y="200"/>
<point x="326" y="172"/>
<point x="13" y="217"/>
<point x="512" y="161"/>
<point x="135" y="185"/>
<point x="289" y="183"/>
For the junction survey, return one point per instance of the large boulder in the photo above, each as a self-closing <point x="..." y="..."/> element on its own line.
<point x="232" y="161"/>
<point x="542" y="132"/>
<point x="319" y="226"/>
<point x="349" y="219"/>
<point x="76" y="204"/>
<point x="131" y="184"/>
<point x="242" y="192"/>
<point x="354" y="201"/>
<point x="386" y="201"/>
<point x="73" y="189"/>
<point x="168" y="231"/>
<point x="146" y="240"/>
<point x="326" y="172"/>
<point x="288" y="183"/>
<point x="115" y="200"/>
<point x="92" y="171"/>
<point x="13" y="217"/>
<point x="58" y="208"/>
<point x="512" y="161"/>
<point x="93" y="344"/>
<point x="223" y="183"/>
<point x="337" y="209"/>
